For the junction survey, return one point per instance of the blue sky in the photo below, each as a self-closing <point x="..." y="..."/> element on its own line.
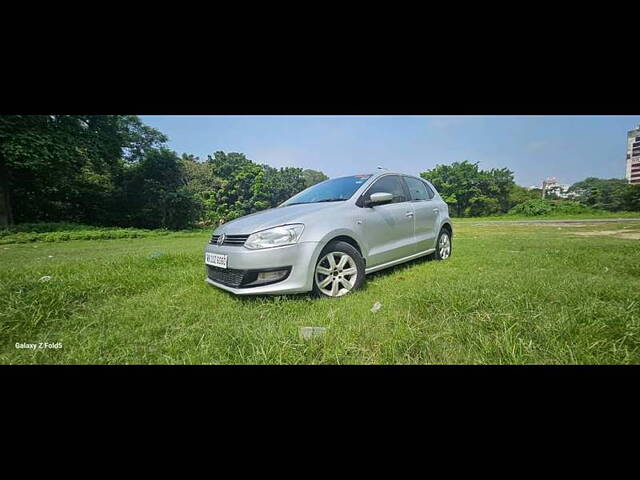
<point x="534" y="147"/>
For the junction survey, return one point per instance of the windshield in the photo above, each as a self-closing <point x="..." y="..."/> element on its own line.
<point x="335" y="190"/>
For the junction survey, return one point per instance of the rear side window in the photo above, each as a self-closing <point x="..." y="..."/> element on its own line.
<point x="430" y="190"/>
<point x="389" y="184"/>
<point x="417" y="189"/>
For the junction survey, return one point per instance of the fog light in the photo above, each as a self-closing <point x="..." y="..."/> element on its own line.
<point x="271" y="276"/>
<point x="262" y="278"/>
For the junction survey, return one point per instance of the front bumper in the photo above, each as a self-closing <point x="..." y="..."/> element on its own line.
<point x="300" y="257"/>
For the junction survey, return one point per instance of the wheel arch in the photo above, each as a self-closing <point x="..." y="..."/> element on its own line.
<point x="347" y="237"/>
<point x="448" y="227"/>
<point x="351" y="241"/>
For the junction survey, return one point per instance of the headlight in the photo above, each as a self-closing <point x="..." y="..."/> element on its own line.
<point x="275" y="237"/>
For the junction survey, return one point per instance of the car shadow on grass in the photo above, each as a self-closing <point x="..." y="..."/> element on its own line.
<point x="309" y="296"/>
<point x="263" y="298"/>
<point x="396" y="269"/>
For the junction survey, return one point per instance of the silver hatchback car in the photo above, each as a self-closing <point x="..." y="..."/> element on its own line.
<point x="328" y="237"/>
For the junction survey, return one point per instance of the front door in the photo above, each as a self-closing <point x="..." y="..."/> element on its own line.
<point x="388" y="229"/>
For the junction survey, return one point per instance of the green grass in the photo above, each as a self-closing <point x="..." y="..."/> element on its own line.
<point x="63" y="232"/>
<point x="597" y="214"/>
<point x="509" y="294"/>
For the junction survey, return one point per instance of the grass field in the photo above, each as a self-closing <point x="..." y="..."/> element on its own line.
<point x="509" y="294"/>
<point x="595" y="215"/>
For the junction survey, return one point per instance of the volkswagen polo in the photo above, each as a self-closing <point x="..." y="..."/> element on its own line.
<point x="328" y="237"/>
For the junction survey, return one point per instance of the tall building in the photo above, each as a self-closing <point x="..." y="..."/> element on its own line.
<point x="633" y="155"/>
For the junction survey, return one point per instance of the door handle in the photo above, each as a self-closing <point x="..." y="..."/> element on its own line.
<point x="409" y="214"/>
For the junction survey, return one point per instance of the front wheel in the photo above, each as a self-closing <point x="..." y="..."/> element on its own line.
<point x="443" y="247"/>
<point x="340" y="270"/>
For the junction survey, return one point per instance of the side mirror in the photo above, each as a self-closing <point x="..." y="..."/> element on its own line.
<point x="379" y="198"/>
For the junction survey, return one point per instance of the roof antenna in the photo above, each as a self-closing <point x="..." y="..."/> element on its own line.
<point x="381" y="168"/>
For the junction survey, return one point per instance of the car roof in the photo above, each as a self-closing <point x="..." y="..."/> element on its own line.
<point x="391" y="172"/>
<point x="378" y="174"/>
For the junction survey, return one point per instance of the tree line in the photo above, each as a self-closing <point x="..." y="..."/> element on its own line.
<point x="471" y="192"/>
<point x="113" y="170"/>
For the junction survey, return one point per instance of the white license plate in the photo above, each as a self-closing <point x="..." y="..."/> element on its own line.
<point x="216" y="260"/>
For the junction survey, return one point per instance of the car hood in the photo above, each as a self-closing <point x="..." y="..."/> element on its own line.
<point x="276" y="216"/>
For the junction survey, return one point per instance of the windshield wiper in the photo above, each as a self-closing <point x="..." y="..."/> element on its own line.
<point x="317" y="201"/>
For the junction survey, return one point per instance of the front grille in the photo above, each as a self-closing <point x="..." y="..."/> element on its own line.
<point x="232" y="240"/>
<point x="226" y="276"/>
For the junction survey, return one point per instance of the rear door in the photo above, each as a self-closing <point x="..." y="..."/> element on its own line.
<point x="388" y="229"/>
<point x="425" y="213"/>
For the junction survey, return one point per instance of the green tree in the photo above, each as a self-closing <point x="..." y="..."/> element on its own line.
<point x="65" y="167"/>
<point x="497" y="184"/>
<point x="115" y="170"/>
<point x="632" y="198"/>
<point x="281" y="184"/>
<point x="607" y="194"/>
<point x="311" y="177"/>
<point x="136" y="138"/>
<point x="518" y="195"/>
<point x="200" y="181"/>
<point x="154" y="192"/>
<point x="457" y="183"/>
<point x="229" y="185"/>
<point x="471" y="191"/>
<point x="241" y="189"/>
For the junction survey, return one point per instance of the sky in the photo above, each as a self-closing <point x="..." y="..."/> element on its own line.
<point x="569" y="148"/>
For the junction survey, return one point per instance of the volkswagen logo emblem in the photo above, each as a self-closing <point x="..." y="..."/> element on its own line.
<point x="221" y="239"/>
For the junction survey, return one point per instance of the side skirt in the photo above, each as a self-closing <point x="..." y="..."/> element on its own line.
<point x="396" y="262"/>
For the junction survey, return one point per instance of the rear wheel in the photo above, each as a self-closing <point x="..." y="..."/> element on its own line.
<point x="443" y="247"/>
<point x="339" y="271"/>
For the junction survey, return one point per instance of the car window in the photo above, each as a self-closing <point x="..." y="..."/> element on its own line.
<point x="417" y="189"/>
<point x="389" y="184"/>
<point x="430" y="191"/>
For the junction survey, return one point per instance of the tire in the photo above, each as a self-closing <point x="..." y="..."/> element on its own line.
<point x="329" y="280"/>
<point x="444" y="245"/>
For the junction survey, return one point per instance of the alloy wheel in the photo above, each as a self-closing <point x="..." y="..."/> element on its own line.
<point x="336" y="274"/>
<point x="444" y="246"/>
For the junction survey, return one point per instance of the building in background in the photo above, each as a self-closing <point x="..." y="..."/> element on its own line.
<point x="633" y="156"/>
<point x="547" y="184"/>
<point x="552" y="189"/>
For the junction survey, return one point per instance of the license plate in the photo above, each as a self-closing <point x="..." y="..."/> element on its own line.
<point x="216" y="260"/>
